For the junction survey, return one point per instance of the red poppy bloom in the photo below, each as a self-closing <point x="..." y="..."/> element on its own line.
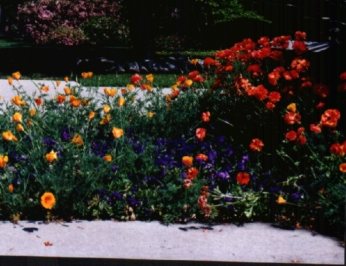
<point x="135" y="79"/>
<point x="274" y="96"/>
<point x="38" y="101"/>
<point x="201" y="157"/>
<point x="338" y="149"/>
<point x="208" y="61"/>
<point x="330" y="118"/>
<point x="343" y="76"/>
<point x="292" y="118"/>
<point x="201" y="133"/>
<point x="270" y="105"/>
<point x="342" y="167"/>
<point x="300" y="35"/>
<point x="192" y="173"/>
<point x="254" y="69"/>
<point x="256" y="145"/>
<point x="243" y="178"/>
<point x="273" y="78"/>
<point x="299" y="47"/>
<point x="315" y="128"/>
<point x="205" y="117"/>
<point x="181" y="79"/>
<point x="291" y="135"/>
<point x="193" y="74"/>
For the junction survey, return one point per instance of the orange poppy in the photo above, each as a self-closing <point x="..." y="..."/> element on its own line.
<point x="342" y="167"/>
<point x="3" y="161"/>
<point x="256" y="145"/>
<point x="243" y="178"/>
<point x="201" y="133"/>
<point x="48" y="200"/>
<point x="187" y="161"/>
<point x="117" y="132"/>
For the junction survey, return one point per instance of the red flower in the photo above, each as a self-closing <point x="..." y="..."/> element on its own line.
<point x="135" y="79"/>
<point x="342" y="167"/>
<point x="343" y="76"/>
<point x="270" y="105"/>
<point x="291" y="135"/>
<point x="274" y="96"/>
<point x="300" y="35"/>
<point x="315" y="128"/>
<point x="256" y="145"/>
<point x="321" y="90"/>
<point x="193" y="74"/>
<point x="254" y="69"/>
<point x="330" y="118"/>
<point x="205" y="117"/>
<point x="208" y="61"/>
<point x="201" y="133"/>
<point x="181" y="79"/>
<point x="201" y="157"/>
<point x="273" y="78"/>
<point x="338" y="149"/>
<point x="292" y="118"/>
<point x="38" y="101"/>
<point x="299" y="47"/>
<point x="192" y="173"/>
<point x="243" y="178"/>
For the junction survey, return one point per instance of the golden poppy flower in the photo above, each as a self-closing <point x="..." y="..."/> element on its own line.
<point x="44" y="88"/>
<point x="16" y="75"/>
<point x="67" y="90"/>
<point x="32" y="112"/>
<point x="92" y="115"/>
<point x="75" y="102"/>
<point x="10" y="81"/>
<point x="121" y="101"/>
<point x="110" y="92"/>
<point x="77" y="140"/>
<point x="51" y="156"/>
<point x="19" y="128"/>
<point x="188" y="83"/>
<point x="130" y="87"/>
<point x="3" y="161"/>
<point x="281" y="200"/>
<point x="17" y="100"/>
<point x="187" y="161"/>
<point x="292" y="107"/>
<point x="17" y="117"/>
<point x="8" y="136"/>
<point x="150" y="114"/>
<point x="86" y="75"/>
<point x="150" y="78"/>
<point x="117" y="132"/>
<point x="106" y="108"/>
<point x="105" y="119"/>
<point x="48" y="200"/>
<point x="194" y="61"/>
<point x="107" y="158"/>
<point x="10" y="188"/>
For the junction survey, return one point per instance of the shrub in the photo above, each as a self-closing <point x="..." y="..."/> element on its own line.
<point x="46" y="21"/>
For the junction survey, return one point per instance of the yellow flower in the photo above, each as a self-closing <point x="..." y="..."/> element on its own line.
<point x="106" y="108"/>
<point x="17" y="100"/>
<point x="19" y="128"/>
<point x="187" y="161"/>
<point x="150" y="114"/>
<point x="92" y="115"/>
<point x="188" y="83"/>
<point x="32" y="112"/>
<point x="107" y="158"/>
<point x="8" y="136"/>
<point x="77" y="140"/>
<point x="150" y="78"/>
<point x="10" y="81"/>
<point x="110" y="91"/>
<point x="117" y="132"/>
<point x="67" y="90"/>
<point x="86" y="75"/>
<point x="48" y="200"/>
<point x="281" y="200"/>
<point x="10" y="188"/>
<point x="105" y="119"/>
<point x="3" y="161"/>
<point x="130" y="87"/>
<point x="292" y="107"/>
<point x="51" y="156"/>
<point x="194" y="61"/>
<point x="17" y="117"/>
<point x="16" y="75"/>
<point x="121" y="101"/>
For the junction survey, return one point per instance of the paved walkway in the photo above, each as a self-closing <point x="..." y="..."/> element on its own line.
<point x="254" y="242"/>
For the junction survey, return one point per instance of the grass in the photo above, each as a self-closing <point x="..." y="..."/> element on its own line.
<point x="8" y="43"/>
<point x="111" y="80"/>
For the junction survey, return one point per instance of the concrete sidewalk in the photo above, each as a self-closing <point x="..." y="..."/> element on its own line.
<point x="254" y="242"/>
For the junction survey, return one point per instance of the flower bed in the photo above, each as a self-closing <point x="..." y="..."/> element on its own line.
<point x="251" y="138"/>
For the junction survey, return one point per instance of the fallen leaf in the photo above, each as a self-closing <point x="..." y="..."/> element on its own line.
<point x="48" y="244"/>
